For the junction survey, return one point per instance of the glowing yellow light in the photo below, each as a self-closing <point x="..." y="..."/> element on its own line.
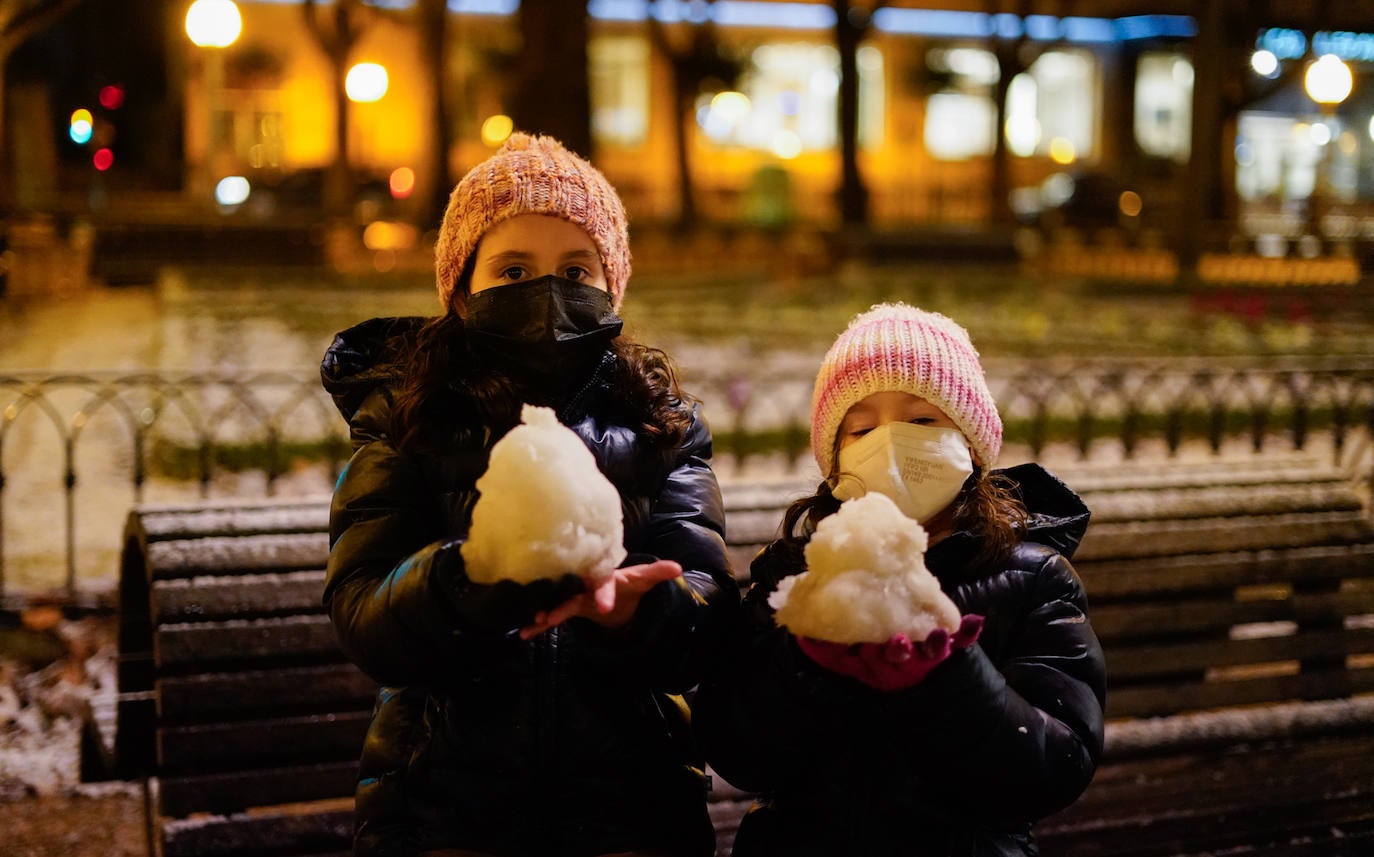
<point x="365" y="82"/>
<point x="786" y="144"/>
<point x="732" y="106"/>
<point x="386" y="235"/>
<point x="1130" y="203"/>
<point x="496" y="129"/>
<point x="82" y="115"/>
<point x="1328" y="80"/>
<point x="401" y="182"/>
<point x="213" y="23"/>
<point x="1062" y="151"/>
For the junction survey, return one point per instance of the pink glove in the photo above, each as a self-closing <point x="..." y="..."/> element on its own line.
<point x="896" y="664"/>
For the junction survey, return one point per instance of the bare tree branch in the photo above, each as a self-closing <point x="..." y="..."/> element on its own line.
<point x="20" y="19"/>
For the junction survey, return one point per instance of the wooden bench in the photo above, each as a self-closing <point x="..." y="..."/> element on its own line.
<point x="237" y="708"/>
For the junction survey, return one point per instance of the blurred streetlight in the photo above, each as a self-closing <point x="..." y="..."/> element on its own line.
<point x="365" y="83"/>
<point x="214" y="25"/>
<point x="1328" y="82"/>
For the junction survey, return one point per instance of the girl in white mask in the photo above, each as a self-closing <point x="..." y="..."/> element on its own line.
<point x="872" y="750"/>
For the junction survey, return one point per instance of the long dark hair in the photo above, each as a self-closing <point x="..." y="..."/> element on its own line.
<point x="987" y="508"/>
<point x="441" y="389"/>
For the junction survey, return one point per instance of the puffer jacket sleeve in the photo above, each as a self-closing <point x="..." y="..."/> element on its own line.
<point x="679" y="624"/>
<point x="387" y="556"/>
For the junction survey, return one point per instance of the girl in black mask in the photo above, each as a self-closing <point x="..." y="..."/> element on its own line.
<point x="523" y="719"/>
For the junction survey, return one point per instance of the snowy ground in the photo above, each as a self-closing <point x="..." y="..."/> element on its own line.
<point x="49" y="667"/>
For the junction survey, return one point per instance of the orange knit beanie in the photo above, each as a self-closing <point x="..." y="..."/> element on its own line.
<point x="533" y="175"/>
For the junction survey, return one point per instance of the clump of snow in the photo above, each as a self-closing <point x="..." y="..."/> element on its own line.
<point x="866" y="579"/>
<point x="545" y="509"/>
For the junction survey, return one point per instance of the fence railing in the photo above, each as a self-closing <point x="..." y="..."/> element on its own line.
<point x="87" y="446"/>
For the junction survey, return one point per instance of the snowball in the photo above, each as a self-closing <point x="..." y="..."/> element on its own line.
<point x="544" y="509"/>
<point x="866" y="579"/>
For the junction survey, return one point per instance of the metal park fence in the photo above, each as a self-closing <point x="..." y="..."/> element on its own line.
<point x="77" y="450"/>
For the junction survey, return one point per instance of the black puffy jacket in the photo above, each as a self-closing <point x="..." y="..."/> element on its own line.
<point x="1001" y="734"/>
<point x="573" y="743"/>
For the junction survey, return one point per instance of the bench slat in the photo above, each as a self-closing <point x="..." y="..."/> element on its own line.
<point x="1123" y="621"/>
<point x="1160" y="577"/>
<point x="1218" y="535"/>
<point x="179" y="796"/>
<point x="203" y="644"/>
<point x="236" y="519"/>
<point x="283" y="690"/>
<point x="237" y="554"/>
<point x="1163" y="698"/>
<point x="320" y="833"/>
<point x="202" y="598"/>
<point x="1221" y="501"/>
<point x="269" y="742"/>
<point x="1177" y="658"/>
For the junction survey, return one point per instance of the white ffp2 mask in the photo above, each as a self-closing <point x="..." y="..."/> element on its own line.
<point x="920" y="468"/>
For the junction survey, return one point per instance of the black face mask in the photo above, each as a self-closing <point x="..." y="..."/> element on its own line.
<point x="545" y="333"/>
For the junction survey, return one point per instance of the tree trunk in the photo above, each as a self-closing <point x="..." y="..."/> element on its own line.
<point x="7" y="194"/>
<point x="338" y="186"/>
<point x="686" y="186"/>
<point x="433" y="179"/>
<point x="1203" y="173"/>
<point x="552" y="94"/>
<point x="853" y="192"/>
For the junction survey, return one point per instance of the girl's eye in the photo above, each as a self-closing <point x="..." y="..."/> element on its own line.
<point x="859" y="432"/>
<point x="514" y="272"/>
<point x="921" y="421"/>
<point x="576" y="273"/>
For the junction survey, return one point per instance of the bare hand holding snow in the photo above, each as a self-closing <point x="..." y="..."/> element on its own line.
<point x="866" y="579"/>
<point x="545" y="509"/>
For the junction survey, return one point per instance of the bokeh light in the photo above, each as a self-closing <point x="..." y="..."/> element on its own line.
<point x="232" y="190"/>
<point x="1328" y="80"/>
<point x="389" y="235"/>
<point x="401" y="182"/>
<point x="786" y="144"/>
<point x="111" y="97"/>
<point x="103" y="159"/>
<point x="1130" y="203"/>
<point x="81" y="126"/>
<point x="213" y="23"/>
<point x="366" y="82"/>
<point x="496" y="129"/>
<point x="1062" y="151"/>
<point x="1264" y="63"/>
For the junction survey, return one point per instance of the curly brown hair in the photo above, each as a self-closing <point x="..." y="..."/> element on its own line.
<point x="648" y="394"/>
<point x="987" y="507"/>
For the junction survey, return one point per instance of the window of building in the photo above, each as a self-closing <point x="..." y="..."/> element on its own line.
<point x="618" y="68"/>
<point x="1164" y="105"/>
<point x="1052" y="107"/>
<point x="787" y="100"/>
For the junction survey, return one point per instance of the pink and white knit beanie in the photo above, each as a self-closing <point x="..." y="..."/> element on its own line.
<point x="896" y="347"/>
<point x="532" y="175"/>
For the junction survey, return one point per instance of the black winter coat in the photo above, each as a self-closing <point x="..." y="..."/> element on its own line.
<point x="1001" y="734"/>
<point x="573" y="743"/>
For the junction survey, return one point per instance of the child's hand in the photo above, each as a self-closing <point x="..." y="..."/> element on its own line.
<point x="610" y="604"/>
<point x="896" y="664"/>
